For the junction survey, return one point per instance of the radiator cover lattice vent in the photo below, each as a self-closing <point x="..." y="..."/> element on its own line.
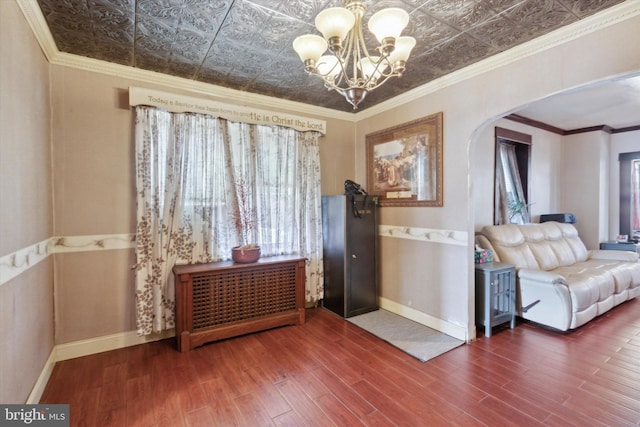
<point x="221" y="300"/>
<point x="231" y="296"/>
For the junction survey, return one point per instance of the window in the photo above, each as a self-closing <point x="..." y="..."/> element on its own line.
<point x="630" y="193"/>
<point x="206" y="184"/>
<point x="511" y="180"/>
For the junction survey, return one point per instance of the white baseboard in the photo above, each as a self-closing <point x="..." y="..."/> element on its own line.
<point x="43" y="379"/>
<point x="105" y="343"/>
<point x="86" y="347"/>
<point x="443" y="326"/>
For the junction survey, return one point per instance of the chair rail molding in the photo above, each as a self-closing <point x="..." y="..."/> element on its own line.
<point x="18" y="262"/>
<point x="431" y="235"/>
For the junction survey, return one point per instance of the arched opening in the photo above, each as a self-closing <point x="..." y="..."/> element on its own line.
<point x="555" y="174"/>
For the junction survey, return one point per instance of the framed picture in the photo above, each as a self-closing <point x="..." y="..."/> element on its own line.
<point x="404" y="163"/>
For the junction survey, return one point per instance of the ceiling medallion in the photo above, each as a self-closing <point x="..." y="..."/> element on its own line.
<point x="348" y="68"/>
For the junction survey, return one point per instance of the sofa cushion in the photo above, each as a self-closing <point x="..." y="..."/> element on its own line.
<point x="584" y="289"/>
<point x="570" y="234"/>
<point x="509" y="243"/>
<point x="541" y="248"/>
<point x="600" y="286"/>
<point x="553" y="234"/>
<point x="624" y="274"/>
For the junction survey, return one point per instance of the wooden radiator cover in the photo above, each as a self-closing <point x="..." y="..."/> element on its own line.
<point x="225" y="299"/>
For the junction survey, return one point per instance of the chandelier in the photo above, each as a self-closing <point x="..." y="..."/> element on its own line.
<point x="347" y="67"/>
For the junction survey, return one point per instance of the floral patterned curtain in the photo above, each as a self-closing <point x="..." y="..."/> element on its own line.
<point x="205" y="185"/>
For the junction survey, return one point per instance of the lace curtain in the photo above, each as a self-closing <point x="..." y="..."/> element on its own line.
<point x="205" y="185"/>
<point x="510" y="204"/>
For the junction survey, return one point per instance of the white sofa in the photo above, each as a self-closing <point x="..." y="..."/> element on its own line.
<point x="561" y="284"/>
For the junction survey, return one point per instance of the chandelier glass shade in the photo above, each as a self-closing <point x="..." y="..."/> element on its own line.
<point x="340" y="57"/>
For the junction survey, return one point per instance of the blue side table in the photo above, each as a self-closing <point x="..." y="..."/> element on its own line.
<point x="612" y="245"/>
<point x="495" y="295"/>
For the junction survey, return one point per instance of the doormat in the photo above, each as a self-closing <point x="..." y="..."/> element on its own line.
<point x="417" y="340"/>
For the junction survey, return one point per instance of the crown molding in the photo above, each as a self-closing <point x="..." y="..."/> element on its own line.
<point x="33" y="14"/>
<point x="606" y="18"/>
<point x="38" y="24"/>
<point x="246" y="99"/>
<point x="535" y="123"/>
<point x="549" y="128"/>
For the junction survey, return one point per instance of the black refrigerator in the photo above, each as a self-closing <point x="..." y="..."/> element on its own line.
<point x="350" y="246"/>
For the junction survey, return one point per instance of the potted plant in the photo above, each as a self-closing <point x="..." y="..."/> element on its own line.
<point x="518" y="208"/>
<point x="245" y="223"/>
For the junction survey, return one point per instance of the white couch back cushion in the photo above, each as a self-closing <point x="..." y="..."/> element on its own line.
<point x="543" y="246"/>
<point x="509" y="242"/>
<point x="535" y="238"/>
<point x="570" y="234"/>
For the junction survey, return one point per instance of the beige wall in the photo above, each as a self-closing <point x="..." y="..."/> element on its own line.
<point x="93" y="184"/>
<point x="26" y="301"/>
<point x="586" y="167"/>
<point x="95" y="195"/>
<point x="438" y="278"/>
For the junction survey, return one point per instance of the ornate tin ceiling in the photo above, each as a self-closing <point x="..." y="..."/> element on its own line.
<point x="246" y="44"/>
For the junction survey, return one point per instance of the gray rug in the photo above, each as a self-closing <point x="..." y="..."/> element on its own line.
<point x="415" y="339"/>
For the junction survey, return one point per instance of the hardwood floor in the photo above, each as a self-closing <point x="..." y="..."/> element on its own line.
<point x="329" y="372"/>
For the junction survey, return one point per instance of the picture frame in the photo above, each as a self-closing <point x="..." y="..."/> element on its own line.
<point x="404" y="163"/>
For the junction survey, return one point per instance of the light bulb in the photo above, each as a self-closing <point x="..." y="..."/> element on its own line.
<point x="388" y="23"/>
<point x="328" y="66"/>
<point x="335" y="22"/>
<point x="402" y="50"/>
<point x="309" y="47"/>
<point x="368" y="67"/>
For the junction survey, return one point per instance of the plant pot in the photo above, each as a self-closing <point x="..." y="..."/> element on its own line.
<point x="245" y="254"/>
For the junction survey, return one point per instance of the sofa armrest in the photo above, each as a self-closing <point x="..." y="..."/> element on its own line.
<point x="544" y="298"/>
<point x="614" y="255"/>
<point x="541" y="276"/>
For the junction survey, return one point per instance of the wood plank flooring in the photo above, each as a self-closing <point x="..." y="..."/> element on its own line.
<point x="329" y="372"/>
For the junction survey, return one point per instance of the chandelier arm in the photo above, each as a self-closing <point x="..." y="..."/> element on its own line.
<point x="362" y="53"/>
<point x="348" y="57"/>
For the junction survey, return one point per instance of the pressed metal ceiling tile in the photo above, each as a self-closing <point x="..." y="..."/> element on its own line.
<point x="244" y="23"/>
<point x="221" y="59"/>
<point x="501" y="33"/>
<point x="428" y="32"/>
<point x="541" y="16"/>
<point x="275" y="35"/>
<point x="502" y="5"/>
<point x="153" y="37"/>
<point x="190" y="45"/>
<point x="200" y="15"/>
<point x="459" y="52"/>
<point x="246" y="44"/>
<point x="459" y="14"/>
<point x="583" y="8"/>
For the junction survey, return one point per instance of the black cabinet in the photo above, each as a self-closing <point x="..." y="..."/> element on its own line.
<point x="350" y="244"/>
